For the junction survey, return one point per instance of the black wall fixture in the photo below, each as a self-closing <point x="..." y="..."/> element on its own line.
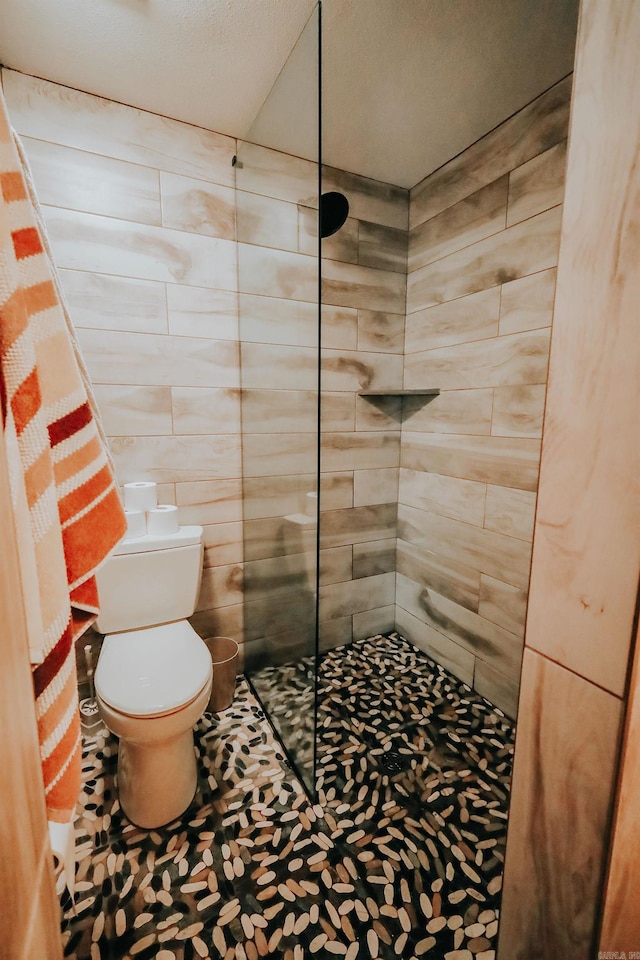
<point x="334" y="210"/>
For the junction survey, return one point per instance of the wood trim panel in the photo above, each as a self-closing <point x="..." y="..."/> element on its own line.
<point x="621" y="917"/>
<point x="30" y="915"/>
<point x="586" y="553"/>
<point x="565" y="762"/>
<point x="586" y="557"/>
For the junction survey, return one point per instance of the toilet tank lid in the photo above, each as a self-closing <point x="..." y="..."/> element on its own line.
<point x="184" y="537"/>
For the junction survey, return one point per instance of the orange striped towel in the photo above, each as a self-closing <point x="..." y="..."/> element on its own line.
<point x="67" y="511"/>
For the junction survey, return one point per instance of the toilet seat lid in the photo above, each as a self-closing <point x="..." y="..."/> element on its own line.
<point x="152" y="671"/>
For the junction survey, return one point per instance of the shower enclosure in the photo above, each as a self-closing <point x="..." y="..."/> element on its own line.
<point x="400" y="495"/>
<point x="315" y="477"/>
<point x="277" y="196"/>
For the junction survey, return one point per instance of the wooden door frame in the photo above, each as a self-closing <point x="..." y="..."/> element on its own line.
<point x="29" y="907"/>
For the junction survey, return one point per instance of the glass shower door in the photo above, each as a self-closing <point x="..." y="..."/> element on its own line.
<point x="277" y="191"/>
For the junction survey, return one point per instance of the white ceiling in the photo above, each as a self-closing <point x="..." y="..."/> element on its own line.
<point x="407" y="84"/>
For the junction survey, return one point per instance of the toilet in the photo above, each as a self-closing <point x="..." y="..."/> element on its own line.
<point x="154" y="673"/>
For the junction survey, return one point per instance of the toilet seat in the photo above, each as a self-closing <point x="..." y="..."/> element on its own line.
<point x="153" y="671"/>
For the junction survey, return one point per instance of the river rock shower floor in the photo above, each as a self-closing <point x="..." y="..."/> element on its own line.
<point x="402" y="856"/>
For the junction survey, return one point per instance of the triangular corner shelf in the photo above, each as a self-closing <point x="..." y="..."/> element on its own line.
<point x="398" y="393"/>
<point x="416" y="398"/>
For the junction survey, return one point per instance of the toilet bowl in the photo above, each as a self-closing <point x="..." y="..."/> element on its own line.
<point x="152" y="686"/>
<point x="153" y="679"/>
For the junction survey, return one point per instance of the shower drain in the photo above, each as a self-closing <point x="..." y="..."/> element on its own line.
<point x="389" y="758"/>
<point x="393" y="761"/>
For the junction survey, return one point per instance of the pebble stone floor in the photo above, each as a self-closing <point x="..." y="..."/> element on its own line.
<point x="402" y="855"/>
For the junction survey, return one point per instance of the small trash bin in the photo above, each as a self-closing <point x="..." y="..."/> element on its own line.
<point x="224" y="656"/>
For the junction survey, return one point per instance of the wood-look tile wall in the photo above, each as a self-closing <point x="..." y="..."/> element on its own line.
<point x="363" y="290"/>
<point x="141" y="215"/>
<point x="483" y="247"/>
<point x="150" y="235"/>
<point x="278" y="318"/>
<point x="363" y="321"/>
<point x="151" y="239"/>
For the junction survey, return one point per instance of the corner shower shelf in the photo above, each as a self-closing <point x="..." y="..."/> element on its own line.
<point x="415" y="400"/>
<point x="398" y="393"/>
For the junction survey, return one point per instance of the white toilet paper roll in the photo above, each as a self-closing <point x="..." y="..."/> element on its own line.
<point x="140" y="495"/>
<point x="136" y="523"/>
<point x="162" y="520"/>
<point x="311" y="504"/>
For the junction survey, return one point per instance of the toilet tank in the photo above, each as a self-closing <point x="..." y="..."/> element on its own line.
<point x="150" y="580"/>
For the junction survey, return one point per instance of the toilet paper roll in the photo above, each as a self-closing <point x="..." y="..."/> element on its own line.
<point x="140" y="495"/>
<point x="311" y="504"/>
<point x="136" y="523"/>
<point x="162" y="520"/>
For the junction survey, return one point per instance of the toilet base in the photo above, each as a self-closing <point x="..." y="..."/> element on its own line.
<point x="157" y="770"/>
<point x="156" y="782"/>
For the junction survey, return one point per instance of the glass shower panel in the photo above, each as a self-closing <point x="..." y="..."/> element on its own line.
<point x="277" y="190"/>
